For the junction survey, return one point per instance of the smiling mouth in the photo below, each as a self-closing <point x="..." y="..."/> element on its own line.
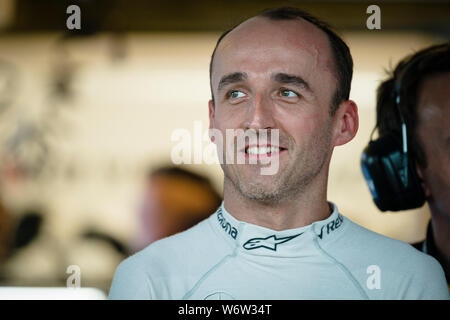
<point x="262" y="150"/>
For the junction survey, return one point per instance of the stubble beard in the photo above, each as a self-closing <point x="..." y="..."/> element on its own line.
<point x="290" y="182"/>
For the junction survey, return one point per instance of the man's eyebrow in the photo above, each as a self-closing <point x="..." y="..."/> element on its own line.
<point x="291" y="79"/>
<point x="231" y="78"/>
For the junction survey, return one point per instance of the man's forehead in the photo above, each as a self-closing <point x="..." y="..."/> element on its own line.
<point x="434" y="98"/>
<point x="294" y="30"/>
<point x="262" y="38"/>
<point x="433" y="108"/>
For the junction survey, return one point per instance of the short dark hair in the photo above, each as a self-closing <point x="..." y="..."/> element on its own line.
<point x="195" y="179"/>
<point x="341" y="53"/>
<point x="186" y="175"/>
<point x="412" y="71"/>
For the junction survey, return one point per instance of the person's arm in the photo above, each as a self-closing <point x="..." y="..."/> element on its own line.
<point x="428" y="282"/>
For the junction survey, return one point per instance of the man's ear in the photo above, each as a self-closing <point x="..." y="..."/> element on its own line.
<point x="425" y="188"/>
<point x="346" y="123"/>
<point x="212" y="116"/>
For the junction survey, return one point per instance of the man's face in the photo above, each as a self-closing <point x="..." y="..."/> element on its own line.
<point x="275" y="75"/>
<point x="434" y="132"/>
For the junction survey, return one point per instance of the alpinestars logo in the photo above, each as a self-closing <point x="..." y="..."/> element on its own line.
<point x="271" y="242"/>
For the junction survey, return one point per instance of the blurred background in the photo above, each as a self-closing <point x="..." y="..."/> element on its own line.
<point x="86" y="118"/>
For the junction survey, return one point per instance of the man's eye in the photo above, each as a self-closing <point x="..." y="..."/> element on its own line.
<point x="236" y="94"/>
<point x="288" y="93"/>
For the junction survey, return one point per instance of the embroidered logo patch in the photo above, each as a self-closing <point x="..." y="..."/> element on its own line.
<point x="271" y="242"/>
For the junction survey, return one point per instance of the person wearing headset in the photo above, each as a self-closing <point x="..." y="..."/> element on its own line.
<point x="275" y="235"/>
<point x="410" y="161"/>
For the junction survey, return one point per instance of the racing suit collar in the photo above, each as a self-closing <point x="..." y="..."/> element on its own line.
<point x="256" y="240"/>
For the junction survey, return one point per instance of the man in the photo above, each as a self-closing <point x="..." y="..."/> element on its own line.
<point x="275" y="236"/>
<point x="175" y="199"/>
<point x="426" y="109"/>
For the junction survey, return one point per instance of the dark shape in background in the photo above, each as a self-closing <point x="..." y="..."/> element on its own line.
<point x="184" y="16"/>
<point x="27" y="229"/>
<point x="118" y="246"/>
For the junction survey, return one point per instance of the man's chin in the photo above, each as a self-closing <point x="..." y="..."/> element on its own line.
<point x="254" y="185"/>
<point x="264" y="188"/>
<point x="261" y="193"/>
<point x="258" y="172"/>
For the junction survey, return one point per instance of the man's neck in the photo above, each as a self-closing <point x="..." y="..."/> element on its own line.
<point x="293" y="212"/>
<point x="441" y="236"/>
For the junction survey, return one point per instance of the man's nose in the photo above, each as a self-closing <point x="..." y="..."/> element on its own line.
<point x="260" y="114"/>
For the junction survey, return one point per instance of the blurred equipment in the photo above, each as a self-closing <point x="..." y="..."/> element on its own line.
<point x="18" y="233"/>
<point x="175" y="199"/>
<point x="33" y="258"/>
<point x="117" y="245"/>
<point x="27" y="229"/>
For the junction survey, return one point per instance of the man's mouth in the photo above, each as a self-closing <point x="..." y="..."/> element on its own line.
<point x="260" y="151"/>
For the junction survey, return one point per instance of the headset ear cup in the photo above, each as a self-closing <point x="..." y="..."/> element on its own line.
<point x="384" y="171"/>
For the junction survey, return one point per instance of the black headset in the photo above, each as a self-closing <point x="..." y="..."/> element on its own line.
<point x="388" y="168"/>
